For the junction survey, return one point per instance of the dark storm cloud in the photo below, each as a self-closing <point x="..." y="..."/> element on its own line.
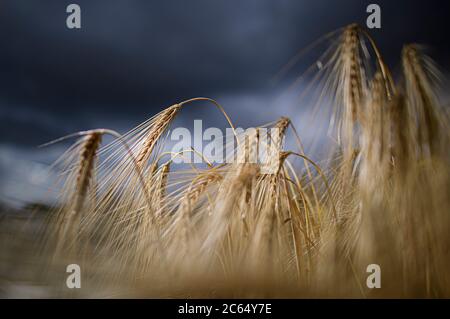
<point x="133" y="57"/>
<point x="130" y="56"/>
<point x="133" y="51"/>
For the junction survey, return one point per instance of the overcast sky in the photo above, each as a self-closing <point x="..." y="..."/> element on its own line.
<point x="134" y="57"/>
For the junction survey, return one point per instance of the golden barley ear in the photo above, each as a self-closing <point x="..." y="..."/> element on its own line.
<point x="162" y="121"/>
<point x="422" y="102"/>
<point x="79" y="191"/>
<point x="86" y="166"/>
<point x="70" y="216"/>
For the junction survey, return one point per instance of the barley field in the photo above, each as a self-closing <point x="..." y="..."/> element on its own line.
<point x="139" y="226"/>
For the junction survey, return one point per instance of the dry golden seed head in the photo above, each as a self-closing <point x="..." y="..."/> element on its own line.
<point x="161" y="187"/>
<point x="165" y="173"/>
<point x="232" y="192"/>
<point x="352" y="64"/>
<point x="87" y="157"/>
<point x="162" y="121"/>
<point x="282" y="124"/>
<point x="421" y="100"/>
<point x="153" y="168"/>
<point x="414" y="70"/>
<point x="375" y="146"/>
<point x="410" y="52"/>
<point x="194" y="193"/>
<point x="351" y="32"/>
<point x="411" y="64"/>
<point x="351" y="91"/>
<point x="276" y="144"/>
<point x="378" y="97"/>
